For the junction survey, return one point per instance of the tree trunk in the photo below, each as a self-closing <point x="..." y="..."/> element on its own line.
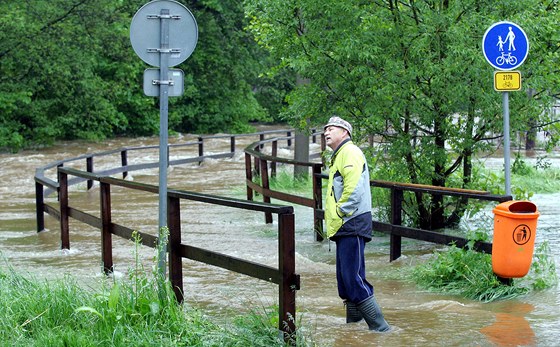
<point x="301" y="153"/>
<point x="436" y="218"/>
<point x="530" y="140"/>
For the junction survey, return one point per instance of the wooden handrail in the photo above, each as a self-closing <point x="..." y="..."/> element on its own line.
<point x="253" y="154"/>
<point x="46" y="186"/>
<point x="394" y="228"/>
<point x="284" y="276"/>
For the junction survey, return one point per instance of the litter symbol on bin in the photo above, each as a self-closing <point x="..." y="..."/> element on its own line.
<point x="521" y="234"/>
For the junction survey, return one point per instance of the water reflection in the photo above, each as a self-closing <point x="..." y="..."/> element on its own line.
<point x="511" y="328"/>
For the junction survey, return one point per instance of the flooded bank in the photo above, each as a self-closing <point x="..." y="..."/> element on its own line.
<point x="419" y="318"/>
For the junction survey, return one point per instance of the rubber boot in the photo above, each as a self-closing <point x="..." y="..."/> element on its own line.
<point x="371" y="312"/>
<point x="353" y="315"/>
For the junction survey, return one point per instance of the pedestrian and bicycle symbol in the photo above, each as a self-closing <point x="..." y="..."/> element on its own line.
<point x="505" y="45"/>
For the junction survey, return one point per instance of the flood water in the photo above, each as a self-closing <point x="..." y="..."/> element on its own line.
<point x="419" y="318"/>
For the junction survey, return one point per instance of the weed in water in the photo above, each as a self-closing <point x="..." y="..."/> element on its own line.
<point x="468" y="273"/>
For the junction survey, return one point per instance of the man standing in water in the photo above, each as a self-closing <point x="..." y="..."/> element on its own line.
<point x="349" y="223"/>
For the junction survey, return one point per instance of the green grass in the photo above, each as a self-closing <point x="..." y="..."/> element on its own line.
<point x="138" y="311"/>
<point x="538" y="181"/>
<point x="285" y="181"/>
<point x="61" y="313"/>
<point x="469" y="274"/>
<point x="526" y="180"/>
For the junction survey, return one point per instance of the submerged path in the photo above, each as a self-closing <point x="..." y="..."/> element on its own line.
<point x="420" y="318"/>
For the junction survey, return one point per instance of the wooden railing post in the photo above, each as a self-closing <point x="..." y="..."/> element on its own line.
<point x="124" y="162"/>
<point x="40" y="206"/>
<point x="257" y="162"/>
<point x="397" y="196"/>
<point x="106" y="228"/>
<point x="58" y="179"/>
<point x="232" y="144"/>
<point x="290" y="280"/>
<point x="289" y="140"/>
<point x="248" y="176"/>
<point x="266" y="185"/>
<point x="318" y="198"/>
<point x="261" y="139"/>
<point x="175" y="258"/>
<point x="200" y="148"/>
<point x="89" y="168"/>
<point x="63" y="199"/>
<point x="274" y="154"/>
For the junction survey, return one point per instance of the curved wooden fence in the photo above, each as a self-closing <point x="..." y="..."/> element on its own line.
<point x="394" y="228"/>
<point x="259" y="166"/>
<point x="284" y="276"/>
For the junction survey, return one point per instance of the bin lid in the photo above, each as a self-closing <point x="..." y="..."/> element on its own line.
<point x="517" y="209"/>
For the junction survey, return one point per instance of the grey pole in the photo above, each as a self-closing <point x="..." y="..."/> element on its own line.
<point x="505" y="98"/>
<point x="163" y="137"/>
<point x="152" y="34"/>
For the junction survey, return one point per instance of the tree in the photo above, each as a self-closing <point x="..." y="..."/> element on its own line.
<point x="68" y="71"/>
<point x="413" y="74"/>
<point x="219" y="89"/>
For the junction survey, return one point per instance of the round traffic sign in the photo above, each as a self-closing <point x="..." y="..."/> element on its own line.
<point x="505" y="45"/>
<point x="145" y="32"/>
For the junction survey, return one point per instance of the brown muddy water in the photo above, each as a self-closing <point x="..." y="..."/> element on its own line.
<point x="419" y="318"/>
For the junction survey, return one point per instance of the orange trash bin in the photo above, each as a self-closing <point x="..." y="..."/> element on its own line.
<point x="515" y="226"/>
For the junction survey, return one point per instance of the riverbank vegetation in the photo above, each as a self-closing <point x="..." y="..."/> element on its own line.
<point x="412" y="75"/>
<point x="466" y="272"/>
<point x="140" y="310"/>
<point x="68" y="71"/>
<point x="124" y="313"/>
<point x="469" y="274"/>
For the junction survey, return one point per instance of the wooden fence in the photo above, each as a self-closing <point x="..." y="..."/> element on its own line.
<point x="261" y="168"/>
<point x="257" y="165"/>
<point x="262" y="162"/>
<point x="284" y="276"/>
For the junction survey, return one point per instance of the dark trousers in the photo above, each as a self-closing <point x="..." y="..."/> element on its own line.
<point x="351" y="270"/>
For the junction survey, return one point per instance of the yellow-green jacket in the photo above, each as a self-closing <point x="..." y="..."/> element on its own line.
<point x="348" y="201"/>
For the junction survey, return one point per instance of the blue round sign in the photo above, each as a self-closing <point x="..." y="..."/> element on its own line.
<point x="505" y="45"/>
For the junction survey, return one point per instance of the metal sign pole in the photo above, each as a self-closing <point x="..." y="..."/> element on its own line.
<point x="163" y="137"/>
<point x="152" y="34"/>
<point x="506" y="46"/>
<point x="505" y="98"/>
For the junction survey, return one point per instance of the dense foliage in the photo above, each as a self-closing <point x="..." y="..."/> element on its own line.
<point x="413" y="74"/>
<point x="68" y="71"/>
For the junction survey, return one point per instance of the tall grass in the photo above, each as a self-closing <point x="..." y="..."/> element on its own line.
<point x="63" y="314"/>
<point x="526" y="179"/>
<point x="469" y="274"/>
<point x="130" y="312"/>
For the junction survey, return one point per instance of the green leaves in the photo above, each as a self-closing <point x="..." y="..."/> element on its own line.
<point x="411" y="73"/>
<point x="68" y="71"/>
